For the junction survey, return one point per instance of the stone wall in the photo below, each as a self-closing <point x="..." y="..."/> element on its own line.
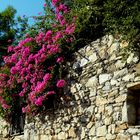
<point x="96" y="106"/>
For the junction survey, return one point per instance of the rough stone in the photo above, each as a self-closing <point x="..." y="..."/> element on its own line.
<point x="92" y="82"/>
<point x="110" y="137"/>
<point x="72" y="133"/>
<point x="121" y="98"/>
<point x="93" y="57"/>
<point x="130" y="58"/>
<point x="83" y="133"/>
<point x="136" y="137"/>
<point x="100" y="100"/>
<point x="102" y="131"/>
<point x="84" y="61"/>
<point x="92" y="131"/>
<point x="90" y="124"/>
<point x="128" y="77"/>
<point x="62" y="136"/>
<point x="120" y="73"/>
<point x="104" y="77"/>
<point x="114" y="47"/>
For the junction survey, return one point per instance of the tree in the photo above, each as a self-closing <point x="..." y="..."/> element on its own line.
<point x="7" y="31"/>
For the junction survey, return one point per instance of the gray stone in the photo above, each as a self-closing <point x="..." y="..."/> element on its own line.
<point x="128" y="77"/>
<point x="119" y="64"/>
<point x="120" y="73"/>
<point x="83" y="62"/>
<point x="130" y="58"/>
<point x="104" y="77"/>
<point x="93" y="57"/>
<point x="133" y="131"/>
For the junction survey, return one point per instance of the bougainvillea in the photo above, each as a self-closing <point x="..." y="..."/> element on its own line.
<point x="33" y="69"/>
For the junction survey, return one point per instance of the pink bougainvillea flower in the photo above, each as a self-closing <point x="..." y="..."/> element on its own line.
<point x="61" y="83"/>
<point x="54" y="2"/>
<point x="47" y="77"/>
<point x="60" y="60"/>
<point x="39" y="101"/>
<point x="51" y="92"/>
<point x="5" y="106"/>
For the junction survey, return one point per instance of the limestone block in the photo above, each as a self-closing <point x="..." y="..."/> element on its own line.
<point x="92" y="131"/>
<point x="114" y="47"/>
<point x="129" y="77"/>
<point x="90" y="124"/>
<point x="110" y="137"/>
<point x="102" y="131"/>
<point x="92" y="82"/>
<point x="83" y="133"/>
<point x="72" y="133"/>
<point x="101" y="101"/>
<point x="123" y="137"/>
<point x="120" y="73"/>
<point x="133" y="131"/>
<point x="83" y="62"/>
<point x="136" y="137"/>
<point x="121" y="98"/>
<point x="119" y="64"/>
<point x="104" y="77"/>
<point x="93" y="57"/>
<point x="62" y="136"/>
<point x="44" y="137"/>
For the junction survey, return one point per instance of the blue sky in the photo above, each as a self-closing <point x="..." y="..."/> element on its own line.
<point x="24" y="7"/>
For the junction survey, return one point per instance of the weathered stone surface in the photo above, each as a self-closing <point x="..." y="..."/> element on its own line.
<point x="108" y="120"/>
<point x="92" y="82"/>
<point x="62" y="136"/>
<point x="136" y="137"/>
<point x="114" y="47"/>
<point x="90" y="124"/>
<point x="83" y="62"/>
<point x="44" y="137"/>
<point x="104" y="77"/>
<point x="93" y="57"/>
<point x="121" y="127"/>
<point x="133" y="130"/>
<point x="101" y="101"/>
<point x="72" y="133"/>
<point x="83" y="133"/>
<point x="102" y="131"/>
<point x="92" y="131"/>
<point x="137" y="68"/>
<point x="110" y="137"/>
<point x="121" y="98"/>
<point x="120" y="73"/>
<point x="123" y="137"/>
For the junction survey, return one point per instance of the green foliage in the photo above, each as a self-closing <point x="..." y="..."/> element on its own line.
<point x="98" y="17"/>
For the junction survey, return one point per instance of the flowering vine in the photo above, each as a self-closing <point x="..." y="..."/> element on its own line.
<point x="33" y="69"/>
